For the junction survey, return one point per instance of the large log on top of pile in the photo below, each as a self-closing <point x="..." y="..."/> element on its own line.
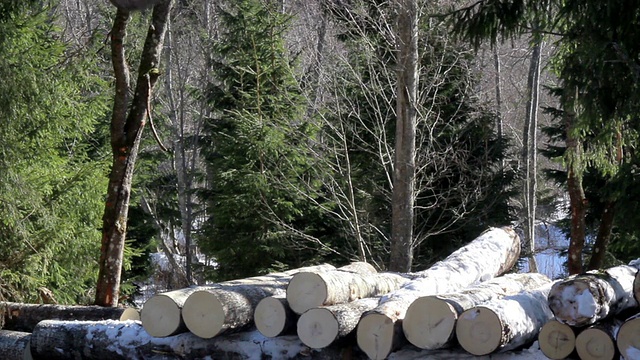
<point x="628" y="338"/>
<point x="491" y="254"/>
<point x="587" y="298"/>
<point x="14" y="345"/>
<point x="25" y="317"/>
<point x="356" y="281"/>
<point x="430" y="321"/>
<point x="162" y="315"/>
<point x="504" y="324"/>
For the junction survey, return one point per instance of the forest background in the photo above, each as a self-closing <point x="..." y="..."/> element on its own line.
<point x="272" y="140"/>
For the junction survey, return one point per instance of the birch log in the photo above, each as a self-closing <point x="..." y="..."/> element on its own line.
<point x="273" y="317"/>
<point x="636" y="287"/>
<point x="557" y="340"/>
<point x="322" y="326"/>
<point x="161" y="315"/>
<point x="25" y="317"/>
<point x="491" y="254"/>
<point x="504" y="324"/>
<point x="587" y="298"/>
<point x="309" y="290"/>
<point x="628" y="338"/>
<point x="430" y="320"/>
<point x="597" y="342"/>
<point x="14" y="345"/>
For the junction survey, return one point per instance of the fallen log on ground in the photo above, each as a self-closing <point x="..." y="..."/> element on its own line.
<point x="491" y="254"/>
<point x="557" y="340"/>
<point x="584" y="299"/>
<point x="597" y="342"/>
<point x="14" y="345"/>
<point x="25" y="317"/>
<point x="161" y="315"/>
<point x="213" y="310"/>
<point x="320" y="327"/>
<point x="273" y="317"/>
<point x="504" y="324"/>
<point x="430" y="321"/>
<point x="628" y="340"/>
<point x="308" y="290"/>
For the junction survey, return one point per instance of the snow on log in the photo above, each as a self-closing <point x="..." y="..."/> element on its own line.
<point x="628" y="340"/>
<point x="597" y="342"/>
<point x="320" y="327"/>
<point x="161" y="315"/>
<point x="504" y="324"/>
<point x="557" y="340"/>
<point x="14" y="345"/>
<point x="127" y="340"/>
<point x="273" y="317"/>
<point x="25" y="317"/>
<point x="491" y="254"/>
<point x="430" y="320"/>
<point x="584" y="299"/>
<point x="359" y="280"/>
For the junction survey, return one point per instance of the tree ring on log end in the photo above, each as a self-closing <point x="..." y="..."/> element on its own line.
<point x="375" y="334"/>
<point x="628" y="340"/>
<point x="557" y="340"/>
<point x="479" y="331"/>
<point x="306" y="291"/>
<point x="270" y="317"/>
<point x="318" y="328"/>
<point x="595" y="344"/>
<point x="429" y="322"/>
<point x="160" y="316"/>
<point x="203" y="314"/>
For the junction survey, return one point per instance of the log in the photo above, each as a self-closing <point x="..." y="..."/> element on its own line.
<point x="636" y="287"/>
<point x="308" y="290"/>
<point x="584" y="299"/>
<point x="491" y="254"/>
<point x="273" y="317"/>
<point x="25" y="317"/>
<point x="628" y="340"/>
<point x="161" y="315"/>
<point x="504" y="324"/>
<point x="430" y="320"/>
<point x="597" y="342"/>
<point x="557" y="340"/>
<point x="14" y="345"/>
<point x="322" y="326"/>
<point x="127" y="340"/>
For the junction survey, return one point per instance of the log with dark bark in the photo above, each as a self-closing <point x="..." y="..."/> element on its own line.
<point x="597" y="342"/>
<point x="14" y="345"/>
<point x="636" y="287"/>
<point x="273" y="317"/>
<point x="320" y="327"/>
<point x="162" y="315"/>
<point x="628" y="338"/>
<point x="430" y="320"/>
<point x="25" y="317"/>
<point x="504" y="324"/>
<point x="584" y="299"/>
<point x="491" y="254"/>
<point x="557" y="340"/>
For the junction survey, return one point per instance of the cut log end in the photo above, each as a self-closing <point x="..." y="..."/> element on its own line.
<point x="375" y="335"/>
<point x="628" y="341"/>
<point x="430" y="323"/>
<point x="270" y="317"/>
<point x="479" y="331"/>
<point x="318" y="328"/>
<point x="595" y="344"/>
<point x="572" y="303"/>
<point x="203" y="314"/>
<point x="306" y="291"/>
<point x="557" y="340"/>
<point x="130" y="314"/>
<point x="160" y="316"/>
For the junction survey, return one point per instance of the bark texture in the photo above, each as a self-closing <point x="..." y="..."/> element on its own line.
<point x="636" y="287"/>
<point x="430" y="320"/>
<point x="25" y="317"/>
<point x="627" y="340"/>
<point x="14" y="345"/>
<point x="587" y="298"/>
<point x="490" y="255"/>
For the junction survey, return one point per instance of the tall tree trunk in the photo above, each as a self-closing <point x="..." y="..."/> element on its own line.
<point x="126" y="133"/>
<point x="498" y="85"/>
<point x="405" y="147"/>
<point x="603" y="237"/>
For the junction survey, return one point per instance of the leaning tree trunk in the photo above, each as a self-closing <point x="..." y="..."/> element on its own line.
<point x="126" y="134"/>
<point x="557" y="340"/>
<point x="14" y="345"/>
<point x="587" y="298"/>
<point x="430" y="320"/>
<point x="598" y="341"/>
<point x="491" y="254"/>
<point x="627" y="340"/>
<point x="504" y="324"/>
<point x="25" y="317"/>
<point x="322" y="326"/>
<point x="273" y="316"/>
<point x="162" y="314"/>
